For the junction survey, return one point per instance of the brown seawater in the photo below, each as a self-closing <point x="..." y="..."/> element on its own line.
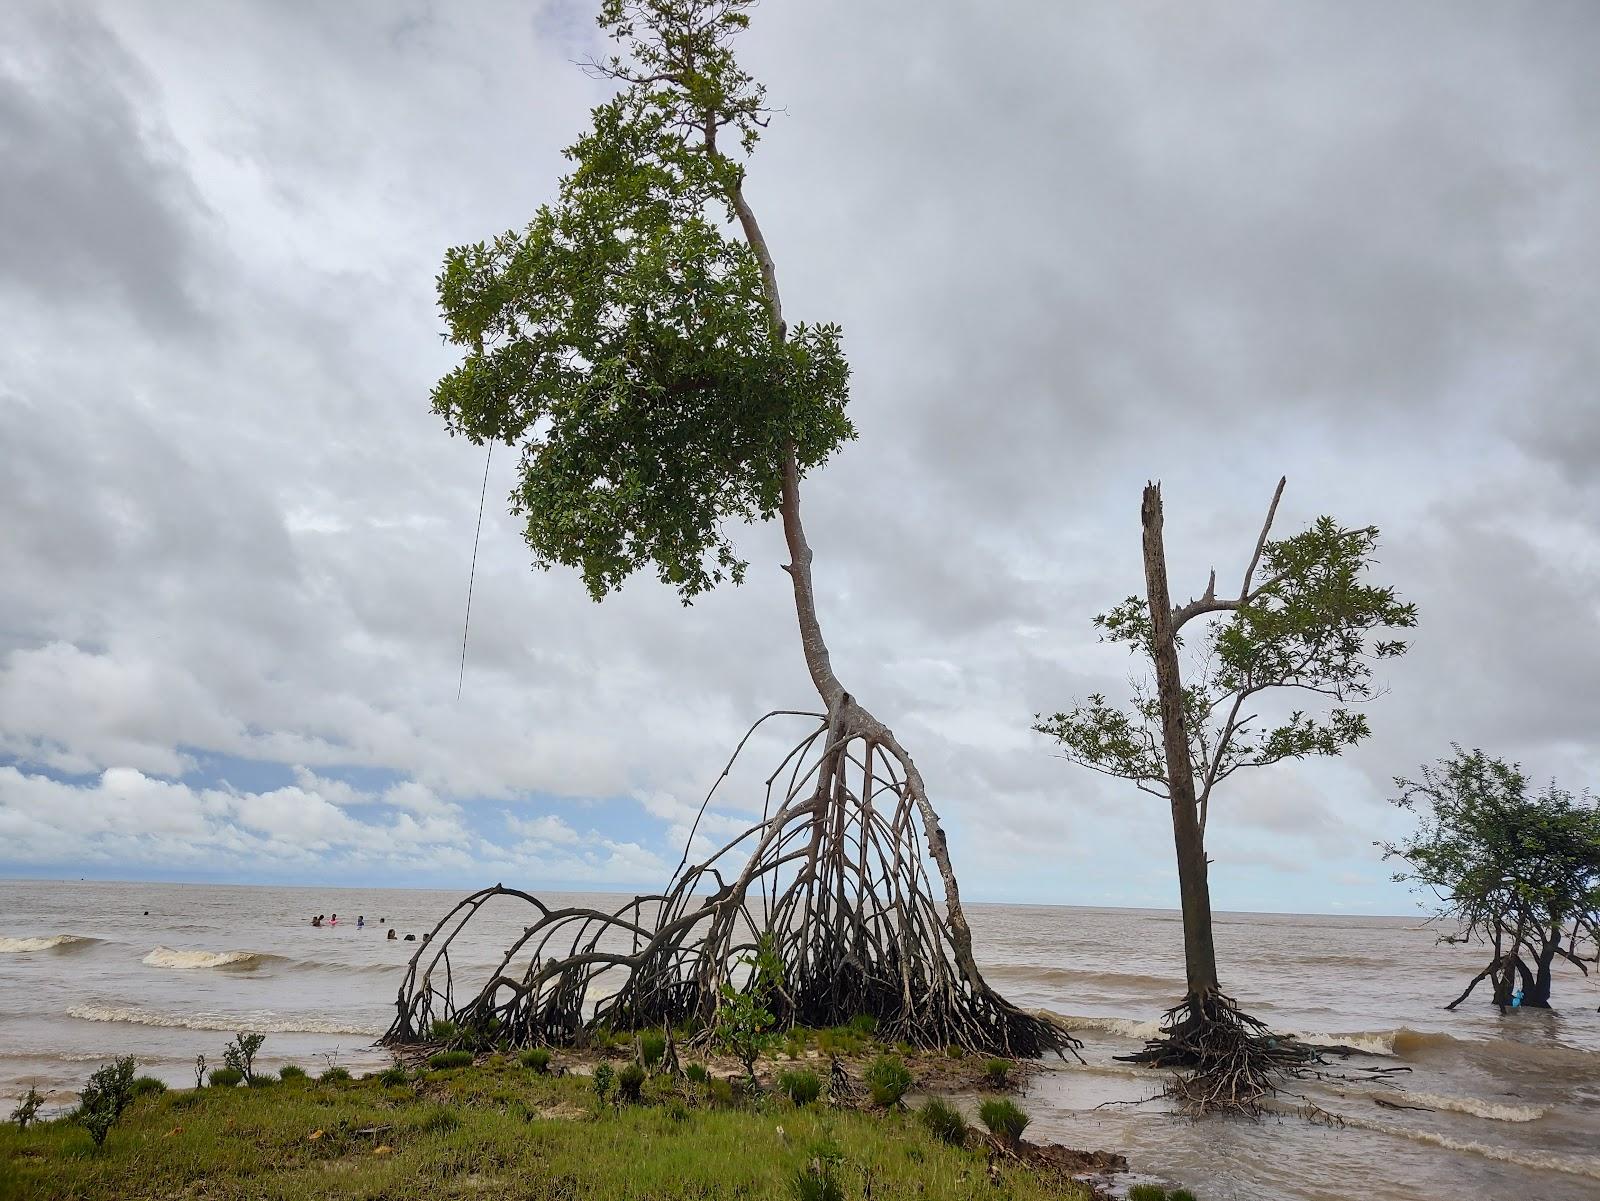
<point x="1502" y="1104"/>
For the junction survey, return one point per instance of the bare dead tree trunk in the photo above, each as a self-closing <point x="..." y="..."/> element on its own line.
<point x="1199" y="952"/>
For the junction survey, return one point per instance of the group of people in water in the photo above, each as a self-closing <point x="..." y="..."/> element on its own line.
<point x="361" y="924"/>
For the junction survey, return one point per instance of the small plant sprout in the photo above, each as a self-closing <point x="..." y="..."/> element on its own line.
<point x="199" y="1071"/>
<point x="28" y="1108"/>
<point x="887" y="1079"/>
<point x="603" y="1076"/>
<point x="1004" y="1120"/>
<point x="944" y="1121"/>
<point x="997" y="1073"/>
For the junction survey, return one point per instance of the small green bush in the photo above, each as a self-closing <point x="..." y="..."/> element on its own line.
<point x="652" y="1046"/>
<point x="393" y="1075"/>
<point x="864" y="1024"/>
<point x="290" y="1071"/>
<point x="955" y="1051"/>
<point x="440" y="1119"/>
<point x="1004" y="1120"/>
<point x="226" y="1077"/>
<point x="262" y="1081"/>
<point x="147" y="1086"/>
<point x="722" y="1093"/>
<point x="677" y="1110"/>
<point x="335" y="1075"/>
<point x="887" y="1079"/>
<point x="801" y="1087"/>
<point x="1181" y="1194"/>
<point x="817" y="1181"/>
<point x="28" y="1108"/>
<point x="629" y="1081"/>
<point x="944" y="1121"/>
<point x="1147" y="1192"/>
<point x="537" y="1058"/>
<point x="442" y="1030"/>
<point x="794" y="1044"/>
<point x="697" y="1073"/>
<point x="441" y="1061"/>
<point x="997" y="1073"/>
<point x="603" y="1076"/>
<point x="105" y="1096"/>
<point x="240" y="1055"/>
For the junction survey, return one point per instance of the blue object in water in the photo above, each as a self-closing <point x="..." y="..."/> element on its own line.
<point x="1516" y="999"/>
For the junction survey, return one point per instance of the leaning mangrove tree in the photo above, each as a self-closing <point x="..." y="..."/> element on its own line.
<point x="632" y="346"/>
<point x="1304" y="628"/>
<point x="1518" y="872"/>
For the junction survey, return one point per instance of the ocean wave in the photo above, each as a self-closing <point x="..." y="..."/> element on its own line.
<point x="1478" y="1107"/>
<point x="1121" y="1027"/>
<point x="1549" y="1161"/>
<point x="1025" y="973"/>
<point x="52" y="942"/>
<point x="262" y="1023"/>
<point x="184" y="960"/>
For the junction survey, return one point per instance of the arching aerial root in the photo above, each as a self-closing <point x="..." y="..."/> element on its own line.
<point x="833" y="878"/>
<point x="1228" y="1060"/>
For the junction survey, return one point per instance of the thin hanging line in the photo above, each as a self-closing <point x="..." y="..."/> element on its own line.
<point x="473" y="574"/>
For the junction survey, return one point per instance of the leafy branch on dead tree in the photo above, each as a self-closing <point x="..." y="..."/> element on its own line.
<point x="1304" y="624"/>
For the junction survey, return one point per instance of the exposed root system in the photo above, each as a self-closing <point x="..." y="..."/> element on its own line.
<point x="1230" y="1061"/>
<point x="834" y="879"/>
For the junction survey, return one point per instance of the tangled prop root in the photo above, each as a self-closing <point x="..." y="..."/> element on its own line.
<point x="834" y="882"/>
<point x="1231" y="1061"/>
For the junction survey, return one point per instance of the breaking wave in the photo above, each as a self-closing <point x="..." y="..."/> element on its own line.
<point x="1121" y="1027"/>
<point x="1029" y="974"/>
<point x="262" y="1023"/>
<point x="52" y="942"/>
<point x="239" y="960"/>
<point x="1550" y="1161"/>
<point x="1479" y="1108"/>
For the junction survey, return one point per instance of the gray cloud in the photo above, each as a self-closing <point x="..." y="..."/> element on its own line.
<point x="95" y="195"/>
<point x="1072" y="247"/>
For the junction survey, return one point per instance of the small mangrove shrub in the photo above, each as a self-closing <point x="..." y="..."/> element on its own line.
<point x="199" y="1071"/>
<point x="744" y="1023"/>
<point x="997" y="1073"/>
<point x="652" y="1046"/>
<point x="105" y="1096"/>
<point x="226" y="1077"/>
<point x="603" y="1076"/>
<point x="1004" y="1120"/>
<point x="28" y="1108"/>
<point x="944" y="1121"/>
<point x="240" y="1055"/>
<point x="537" y="1058"/>
<point x="801" y="1087"/>
<point x="887" y="1079"/>
<point x="441" y="1061"/>
<point x="629" y="1081"/>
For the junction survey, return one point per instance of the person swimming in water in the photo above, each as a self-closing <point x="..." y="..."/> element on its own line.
<point x="361" y="922"/>
<point x="391" y="933"/>
<point x="334" y="920"/>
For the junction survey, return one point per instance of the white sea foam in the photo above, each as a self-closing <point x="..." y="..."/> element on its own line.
<point x="263" y="1023"/>
<point x="1121" y="1027"/>
<point x="1478" y="1107"/>
<point x="16" y="946"/>
<point x="1550" y="1161"/>
<point x="167" y="957"/>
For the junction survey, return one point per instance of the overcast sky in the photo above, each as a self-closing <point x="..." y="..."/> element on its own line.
<point x="1072" y="247"/>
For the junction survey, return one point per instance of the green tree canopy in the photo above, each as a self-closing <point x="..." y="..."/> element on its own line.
<point x="1314" y="627"/>
<point x="625" y="342"/>
<point x="1516" y="869"/>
